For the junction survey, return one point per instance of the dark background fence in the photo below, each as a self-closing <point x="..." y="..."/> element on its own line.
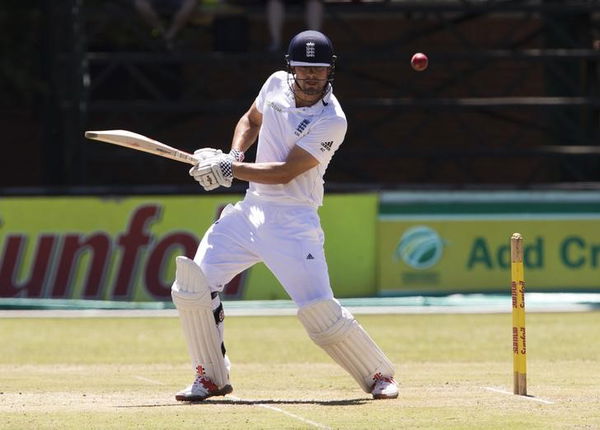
<point x="510" y="99"/>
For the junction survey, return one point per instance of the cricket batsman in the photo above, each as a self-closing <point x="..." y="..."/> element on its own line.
<point x="299" y="125"/>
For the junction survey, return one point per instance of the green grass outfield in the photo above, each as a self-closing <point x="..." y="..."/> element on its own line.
<point x="454" y="371"/>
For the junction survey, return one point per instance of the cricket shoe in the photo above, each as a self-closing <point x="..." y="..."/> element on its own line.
<point x="384" y="387"/>
<point x="202" y="388"/>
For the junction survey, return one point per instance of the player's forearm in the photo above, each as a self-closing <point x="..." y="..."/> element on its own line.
<point x="245" y="134"/>
<point x="263" y="173"/>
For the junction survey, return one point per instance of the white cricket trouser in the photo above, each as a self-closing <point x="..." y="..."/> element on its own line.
<point x="287" y="238"/>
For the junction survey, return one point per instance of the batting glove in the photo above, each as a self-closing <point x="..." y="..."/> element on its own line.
<point x="205" y="153"/>
<point x="214" y="172"/>
<point x="237" y="155"/>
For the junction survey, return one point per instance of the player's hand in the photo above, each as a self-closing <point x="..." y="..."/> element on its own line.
<point x="214" y="172"/>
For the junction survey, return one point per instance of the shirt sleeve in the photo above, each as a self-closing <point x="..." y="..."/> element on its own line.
<point x="324" y="138"/>
<point x="262" y="95"/>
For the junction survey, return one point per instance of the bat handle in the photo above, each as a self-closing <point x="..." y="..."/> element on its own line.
<point x="187" y="157"/>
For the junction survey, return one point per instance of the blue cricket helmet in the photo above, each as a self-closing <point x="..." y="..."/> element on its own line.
<point x="310" y="48"/>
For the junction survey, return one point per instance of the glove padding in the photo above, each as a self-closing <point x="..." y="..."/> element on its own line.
<point x="214" y="171"/>
<point x="206" y="153"/>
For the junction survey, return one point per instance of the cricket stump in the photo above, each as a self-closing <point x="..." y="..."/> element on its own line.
<point x="518" y="315"/>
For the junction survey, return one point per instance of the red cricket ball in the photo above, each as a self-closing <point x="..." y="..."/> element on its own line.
<point x="419" y="61"/>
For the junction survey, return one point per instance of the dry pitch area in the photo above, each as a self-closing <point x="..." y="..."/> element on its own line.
<point x="454" y="371"/>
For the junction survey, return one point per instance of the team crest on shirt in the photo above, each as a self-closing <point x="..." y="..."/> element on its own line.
<point x="301" y="127"/>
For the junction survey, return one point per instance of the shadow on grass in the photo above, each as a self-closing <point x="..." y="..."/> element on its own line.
<point x="347" y="402"/>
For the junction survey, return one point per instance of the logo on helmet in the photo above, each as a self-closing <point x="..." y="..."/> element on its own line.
<point x="310" y="49"/>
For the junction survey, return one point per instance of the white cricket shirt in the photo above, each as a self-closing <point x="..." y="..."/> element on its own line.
<point x="318" y="129"/>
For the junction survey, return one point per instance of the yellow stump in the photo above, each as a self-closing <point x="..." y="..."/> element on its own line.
<point x="518" y="315"/>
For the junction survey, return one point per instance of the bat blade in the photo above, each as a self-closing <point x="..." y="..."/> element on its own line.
<point x="139" y="142"/>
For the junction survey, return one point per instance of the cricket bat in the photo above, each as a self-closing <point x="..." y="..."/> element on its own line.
<point x="140" y="142"/>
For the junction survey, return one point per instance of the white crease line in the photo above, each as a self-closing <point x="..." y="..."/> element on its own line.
<point x="273" y="408"/>
<point x="152" y="381"/>
<point x="535" y="399"/>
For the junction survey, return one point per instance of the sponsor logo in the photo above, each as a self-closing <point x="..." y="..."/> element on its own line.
<point x="326" y="146"/>
<point x="301" y="127"/>
<point x="274" y="106"/>
<point x="99" y="264"/>
<point x="310" y="257"/>
<point x="420" y="247"/>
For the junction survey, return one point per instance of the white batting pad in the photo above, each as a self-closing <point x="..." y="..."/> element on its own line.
<point x="192" y="299"/>
<point x="334" y="329"/>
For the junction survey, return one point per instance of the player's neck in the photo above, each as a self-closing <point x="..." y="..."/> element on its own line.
<point x="305" y="100"/>
<point x="303" y="103"/>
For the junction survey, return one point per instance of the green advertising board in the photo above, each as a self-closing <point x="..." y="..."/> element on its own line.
<point x="438" y="242"/>
<point x="123" y="248"/>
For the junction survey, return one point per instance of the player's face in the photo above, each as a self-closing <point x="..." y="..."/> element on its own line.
<point x="311" y="80"/>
